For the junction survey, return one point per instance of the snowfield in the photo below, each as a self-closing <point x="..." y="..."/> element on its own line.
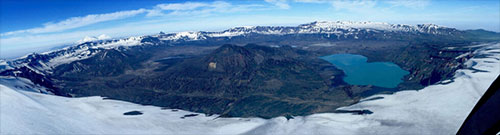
<point x="436" y="109"/>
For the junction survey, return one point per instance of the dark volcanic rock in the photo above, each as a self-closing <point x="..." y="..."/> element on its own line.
<point x="133" y="113"/>
<point x="232" y="81"/>
<point x="251" y="81"/>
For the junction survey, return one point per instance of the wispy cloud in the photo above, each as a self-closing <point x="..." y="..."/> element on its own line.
<point x="415" y="4"/>
<point x="184" y="6"/>
<point x="155" y="19"/>
<point x="353" y="5"/>
<point x="313" y="1"/>
<point x="187" y="8"/>
<point x="76" y="22"/>
<point x="367" y="5"/>
<point x="359" y="9"/>
<point x="20" y="45"/>
<point x="371" y="10"/>
<point x="283" y="4"/>
<point x="200" y="8"/>
<point x="159" y="9"/>
<point x="218" y="15"/>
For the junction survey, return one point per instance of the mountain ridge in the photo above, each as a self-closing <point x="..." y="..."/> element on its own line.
<point x="338" y="28"/>
<point x="345" y="29"/>
<point x="42" y="64"/>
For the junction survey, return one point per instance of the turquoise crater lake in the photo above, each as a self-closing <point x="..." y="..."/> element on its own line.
<point x="359" y="72"/>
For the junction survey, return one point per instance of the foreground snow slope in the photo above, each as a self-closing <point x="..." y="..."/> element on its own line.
<point x="437" y="109"/>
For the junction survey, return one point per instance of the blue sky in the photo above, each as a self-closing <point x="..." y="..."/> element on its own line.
<point x="35" y="26"/>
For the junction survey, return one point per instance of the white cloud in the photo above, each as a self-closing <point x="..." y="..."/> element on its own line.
<point x="103" y="37"/>
<point x="86" y="39"/>
<point x="55" y="34"/>
<point x="182" y="6"/>
<point x="218" y="6"/>
<point x="362" y="4"/>
<point x="279" y="3"/>
<point x="353" y="5"/>
<point x="416" y="4"/>
<point x="313" y="1"/>
<point x="187" y="8"/>
<point x="92" y="38"/>
<point x="76" y="22"/>
<point x="199" y="8"/>
<point x="192" y="16"/>
<point x="356" y="10"/>
<point x="158" y="9"/>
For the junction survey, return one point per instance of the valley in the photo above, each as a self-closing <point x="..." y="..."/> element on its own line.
<point x="100" y="115"/>
<point x="255" y="74"/>
<point x="250" y="67"/>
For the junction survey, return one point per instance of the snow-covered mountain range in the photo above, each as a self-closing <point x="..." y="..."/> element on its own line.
<point x="338" y="28"/>
<point x="87" y="47"/>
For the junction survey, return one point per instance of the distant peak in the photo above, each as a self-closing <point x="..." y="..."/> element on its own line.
<point x="430" y="25"/>
<point x="243" y="28"/>
<point x="248" y="27"/>
<point x="336" y="23"/>
<point x="229" y="46"/>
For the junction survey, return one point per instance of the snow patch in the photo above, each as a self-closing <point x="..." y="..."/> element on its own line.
<point x="131" y="41"/>
<point x="185" y="35"/>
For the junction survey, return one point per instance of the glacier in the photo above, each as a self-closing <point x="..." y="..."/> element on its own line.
<point x="435" y="109"/>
